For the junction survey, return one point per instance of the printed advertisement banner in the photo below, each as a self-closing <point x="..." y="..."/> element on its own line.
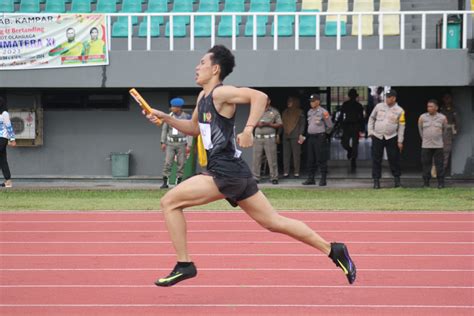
<point x="52" y="41"/>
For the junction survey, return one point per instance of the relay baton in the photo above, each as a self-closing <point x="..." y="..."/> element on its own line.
<point x="144" y="105"/>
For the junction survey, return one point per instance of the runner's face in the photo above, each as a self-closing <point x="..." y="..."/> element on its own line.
<point x="205" y="70"/>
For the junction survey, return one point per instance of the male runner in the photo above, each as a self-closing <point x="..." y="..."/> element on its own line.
<point x="228" y="176"/>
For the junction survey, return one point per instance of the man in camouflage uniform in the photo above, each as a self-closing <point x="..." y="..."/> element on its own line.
<point x="319" y="127"/>
<point x="175" y="144"/>
<point x="265" y="140"/>
<point x="387" y="128"/>
<point x="450" y="132"/>
<point x="431" y="126"/>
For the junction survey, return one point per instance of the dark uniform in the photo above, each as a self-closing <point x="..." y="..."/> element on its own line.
<point x="230" y="172"/>
<point x="449" y="132"/>
<point x="387" y="128"/>
<point x="319" y="126"/>
<point x="431" y="128"/>
<point x="352" y="116"/>
<point x="265" y="140"/>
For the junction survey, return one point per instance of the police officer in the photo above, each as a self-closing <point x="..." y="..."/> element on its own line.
<point x="387" y="127"/>
<point x="431" y="126"/>
<point x="352" y="117"/>
<point x="319" y="127"/>
<point x="175" y="143"/>
<point x="450" y="132"/>
<point x="265" y="140"/>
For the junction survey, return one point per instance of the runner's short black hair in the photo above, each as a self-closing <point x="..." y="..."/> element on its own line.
<point x="223" y="57"/>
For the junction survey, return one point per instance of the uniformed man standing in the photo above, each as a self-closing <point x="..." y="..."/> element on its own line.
<point x="450" y="132"/>
<point x="176" y="144"/>
<point x="431" y="126"/>
<point x="352" y="118"/>
<point x="319" y="127"/>
<point x="265" y="140"/>
<point x="387" y="127"/>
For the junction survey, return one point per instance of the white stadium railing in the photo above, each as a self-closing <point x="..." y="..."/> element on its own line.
<point x="466" y="19"/>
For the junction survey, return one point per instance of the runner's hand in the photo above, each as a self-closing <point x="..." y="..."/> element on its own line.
<point x="154" y="116"/>
<point x="245" y="139"/>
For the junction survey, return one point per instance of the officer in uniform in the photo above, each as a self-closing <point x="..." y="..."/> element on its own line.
<point x="450" y="132"/>
<point x="387" y="127"/>
<point x="319" y="127"/>
<point x="175" y="143"/>
<point x="431" y="126"/>
<point x="352" y="117"/>
<point x="265" y="140"/>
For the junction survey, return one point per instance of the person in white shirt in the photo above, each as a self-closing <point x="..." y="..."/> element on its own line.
<point x="7" y="137"/>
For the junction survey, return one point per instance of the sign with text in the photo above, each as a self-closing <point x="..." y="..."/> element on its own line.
<point x="52" y="41"/>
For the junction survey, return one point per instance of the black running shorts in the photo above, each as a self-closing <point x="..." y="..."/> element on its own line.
<point x="236" y="189"/>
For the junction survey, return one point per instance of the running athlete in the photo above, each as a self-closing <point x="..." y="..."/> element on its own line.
<point x="228" y="176"/>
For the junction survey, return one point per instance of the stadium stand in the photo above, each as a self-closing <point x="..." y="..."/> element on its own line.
<point x="391" y="23"/>
<point x="367" y="21"/>
<point x="285" y="22"/>
<point x="55" y="6"/>
<point x="106" y="6"/>
<point x="308" y="23"/>
<point x="331" y="20"/>
<point x="154" y="6"/>
<point x="81" y="6"/>
<point x="262" y="20"/>
<point x="30" y="6"/>
<point x="7" y="6"/>
<point x="225" y="25"/>
<point x="202" y="24"/>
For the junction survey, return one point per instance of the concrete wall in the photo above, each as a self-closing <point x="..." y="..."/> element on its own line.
<point x="266" y="68"/>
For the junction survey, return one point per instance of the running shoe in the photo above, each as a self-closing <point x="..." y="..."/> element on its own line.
<point x="178" y="274"/>
<point x="340" y="256"/>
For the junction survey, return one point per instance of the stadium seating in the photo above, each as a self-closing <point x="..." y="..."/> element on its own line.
<point x="154" y="6"/>
<point x="30" y="6"/>
<point x="258" y="6"/>
<point x="202" y="24"/>
<point x="285" y="23"/>
<point x="81" y="6"/>
<point x="367" y="21"/>
<point x="391" y="22"/>
<point x="225" y="25"/>
<point x="55" y="6"/>
<point x="331" y="20"/>
<point x="308" y="23"/>
<point x="180" y="22"/>
<point x="106" y="6"/>
<point x="7" y="6"/>
<point x="130" y="6"/>
<point x="119" y="29"/>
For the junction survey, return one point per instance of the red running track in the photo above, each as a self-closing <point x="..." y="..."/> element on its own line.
<point x="105" y="263"/>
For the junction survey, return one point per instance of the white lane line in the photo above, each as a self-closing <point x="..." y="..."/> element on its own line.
<point x="257" y="286"/>
<point x="243" y="221"/>
<point x="239" y="212"/>
<point x="224" y="255"/>
<point x="240" y="269"/>
<point x="239" y="242"/>
<point x="231" y="305"/>
<point x="208" y="231"/>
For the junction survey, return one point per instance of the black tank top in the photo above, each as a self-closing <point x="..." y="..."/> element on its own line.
<point x="218" y="135"/>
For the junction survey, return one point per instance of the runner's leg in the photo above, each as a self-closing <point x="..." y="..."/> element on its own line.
<point x="196" y="190"/>
<point x="260" y="209"/>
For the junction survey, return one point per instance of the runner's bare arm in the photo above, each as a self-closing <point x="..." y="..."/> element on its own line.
<point x="225" y="99"/>
<point x="188" y="127"/>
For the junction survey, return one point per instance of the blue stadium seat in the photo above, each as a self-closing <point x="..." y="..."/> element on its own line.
<point x="55" y="6"/>
<point x="285" y="23"/>
<point x="7" y="6"/>
<point x="106" y="6"/>
<point x="120" y="29"/>
<point x="331" y="20"/>
<point x="81" y="6"/>
<point x="154" y="27"/>
<point x="225" y="25"/>
<point x="209" y="6"/>
<point x="179" y="28"/>
<point x="130" y="6"/>
<point x="308" y="24"/>
<point x="157" y="6"/>
<point x="182" y="6"/>
<point x="30" y="6"/>
<point x="203" y="24"/>
<point x="258" y="6"/>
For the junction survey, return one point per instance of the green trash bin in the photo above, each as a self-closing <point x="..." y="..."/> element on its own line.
<point x="120" y="164"/>
<point x="189" y="166"/>
<point x="453" y="32"/>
